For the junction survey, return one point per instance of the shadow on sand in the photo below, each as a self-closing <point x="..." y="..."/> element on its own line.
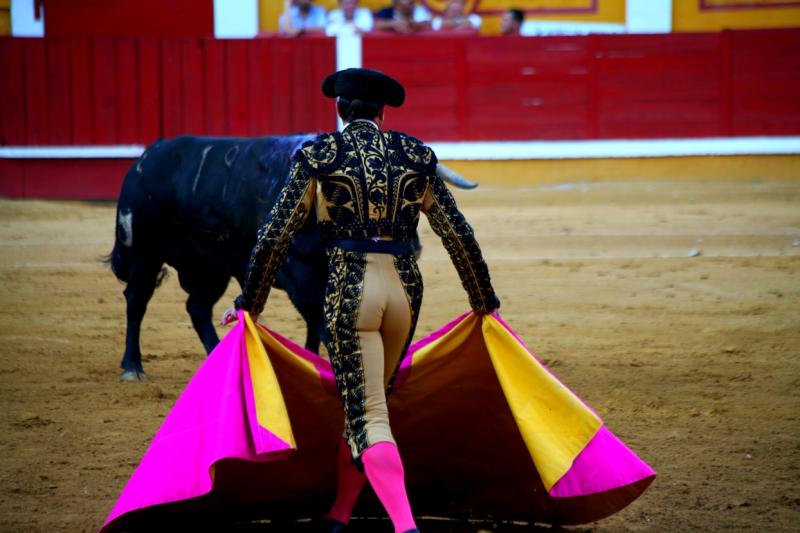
<point x="372" y="525"/>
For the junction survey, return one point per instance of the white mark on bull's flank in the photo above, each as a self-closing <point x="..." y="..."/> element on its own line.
<point x="200" y="168"/>
<point x="141" y="160"/>
<point x="230" y="155"/>
<point x="125" y="227"/>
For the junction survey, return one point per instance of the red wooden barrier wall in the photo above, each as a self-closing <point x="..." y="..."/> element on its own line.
<point x="126" y="90"/>
<point x="128" y="18"/>
<point x="63" y="91"/>
<point x="132" y="90"/>
<point x="78" y="91"/>
<point x="595" y="87"/>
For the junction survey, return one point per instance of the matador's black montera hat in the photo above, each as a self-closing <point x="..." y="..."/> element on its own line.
<point x="364" y="84"/>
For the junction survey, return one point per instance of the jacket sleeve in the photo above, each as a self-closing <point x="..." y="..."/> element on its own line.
<point x="284" y="219"/>
<point x="459" y="241"/>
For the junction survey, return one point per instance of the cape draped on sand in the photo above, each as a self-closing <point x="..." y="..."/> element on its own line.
<point x="484" y="429"/>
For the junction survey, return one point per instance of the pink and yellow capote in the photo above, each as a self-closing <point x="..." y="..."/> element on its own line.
<point x="485" y="431"/>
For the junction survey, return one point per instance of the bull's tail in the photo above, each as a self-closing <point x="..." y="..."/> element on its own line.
<point x="121" y="257"/>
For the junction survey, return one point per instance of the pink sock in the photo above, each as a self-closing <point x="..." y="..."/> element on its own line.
<point x="384" y="470"/>
<point x="350" y="483"/>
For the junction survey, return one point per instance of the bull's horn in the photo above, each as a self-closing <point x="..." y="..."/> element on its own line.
<point x="452" y="178"/>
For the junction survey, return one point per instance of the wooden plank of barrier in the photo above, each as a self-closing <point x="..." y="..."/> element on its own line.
<point x="35" y="92"/>
<point x="592" y="100"/>
<point x="132" y="90"/>
<point x="658" y="86"/>
<point x="58" y="97"/>
<point x="12" y="178"/>
<point x="281" y="87"/>
<point x="302" y="79"/>
<point x="171" y="87"/>
<point x="529" y="89"/>
<point x="259" y="55"/>
<point x="215" y="84"/>
<point x="434" y="83"/>
<point x="725" y="82"/>
<point x="104" y="91"/>
<point x="13" y="130"/>
<point x="149" y="89"/>
<point x="82" y="104"/>
<point x="322" y="110"/>
<point x="237" y="87"/>
<point x="126" y="77"/>
<point x="192" y="87"/>
<point x="765" y="82"/>
<point x="88" y="179"/>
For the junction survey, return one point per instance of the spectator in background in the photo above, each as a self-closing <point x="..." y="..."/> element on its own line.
<point x="349" y="18"/>
<point x="302" y="17"/>
<point x="403" y="17"/>
<point x="454" y="19"/>
<point x="511" y="22"/>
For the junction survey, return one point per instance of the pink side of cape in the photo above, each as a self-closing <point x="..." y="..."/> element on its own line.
<point x="215" y="418"/>
<point x="207" y="424"/>
<point x="604" y="464"/>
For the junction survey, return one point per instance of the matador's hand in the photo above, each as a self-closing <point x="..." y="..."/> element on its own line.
<point x="229" y="316"/>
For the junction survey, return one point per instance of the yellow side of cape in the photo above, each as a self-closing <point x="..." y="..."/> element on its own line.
<point x="271" y="409"/>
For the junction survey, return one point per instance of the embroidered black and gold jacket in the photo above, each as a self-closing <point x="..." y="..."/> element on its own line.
<point x="365" y="183"/>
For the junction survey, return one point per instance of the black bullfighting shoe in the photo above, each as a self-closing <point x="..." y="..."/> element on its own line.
<point x="328" y="525"/>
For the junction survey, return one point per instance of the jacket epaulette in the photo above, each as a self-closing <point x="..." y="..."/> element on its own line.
<point x="320" y="154"/>
<point x="416" y="154"/>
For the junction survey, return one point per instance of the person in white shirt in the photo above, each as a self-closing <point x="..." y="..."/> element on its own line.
<point x="403" y="17"/>
<point x="454" y="19"/>
<point x="302" y="16"/>
<point x="349" y="18"/>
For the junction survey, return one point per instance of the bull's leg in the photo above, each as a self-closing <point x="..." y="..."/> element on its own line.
<point x="313" y="336"/>
<point x="203" y="294"/>
<point x="304" y="280"/>
<point x="313" y="317"/>
<point x="142" y="281"/>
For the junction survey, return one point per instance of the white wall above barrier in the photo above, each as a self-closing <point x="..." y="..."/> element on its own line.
<point x="23" y="19"/>
<point x="348" y="55"/>
<point x="531" y="28"/>
<point x="613" y="148"/>
<point x="497" y="151"/>
<point x="235" y="19"/>
<point x="648" y="16"/>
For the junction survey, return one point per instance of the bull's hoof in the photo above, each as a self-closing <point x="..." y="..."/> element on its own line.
<point x="132" y="375"/>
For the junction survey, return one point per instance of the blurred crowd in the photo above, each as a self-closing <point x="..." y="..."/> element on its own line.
<point x="404" y="17"/>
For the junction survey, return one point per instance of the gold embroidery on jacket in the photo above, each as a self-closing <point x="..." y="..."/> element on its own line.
<point x="459" y="241"/>
<point x="373" y="191"/>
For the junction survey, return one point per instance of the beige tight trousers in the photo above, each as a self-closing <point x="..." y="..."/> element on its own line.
<point x="384" y="322"/>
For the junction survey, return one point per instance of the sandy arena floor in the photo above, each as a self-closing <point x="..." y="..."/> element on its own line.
<point x="693" y="361"/>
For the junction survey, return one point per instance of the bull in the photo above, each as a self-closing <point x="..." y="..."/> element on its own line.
<point x="196" y="204"/>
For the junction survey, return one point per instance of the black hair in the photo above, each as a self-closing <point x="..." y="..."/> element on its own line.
<point x="351" y="110"/>
<point x="517" y="15"/>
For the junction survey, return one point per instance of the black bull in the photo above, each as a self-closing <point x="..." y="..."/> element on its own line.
<point x="196" y="204"/>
